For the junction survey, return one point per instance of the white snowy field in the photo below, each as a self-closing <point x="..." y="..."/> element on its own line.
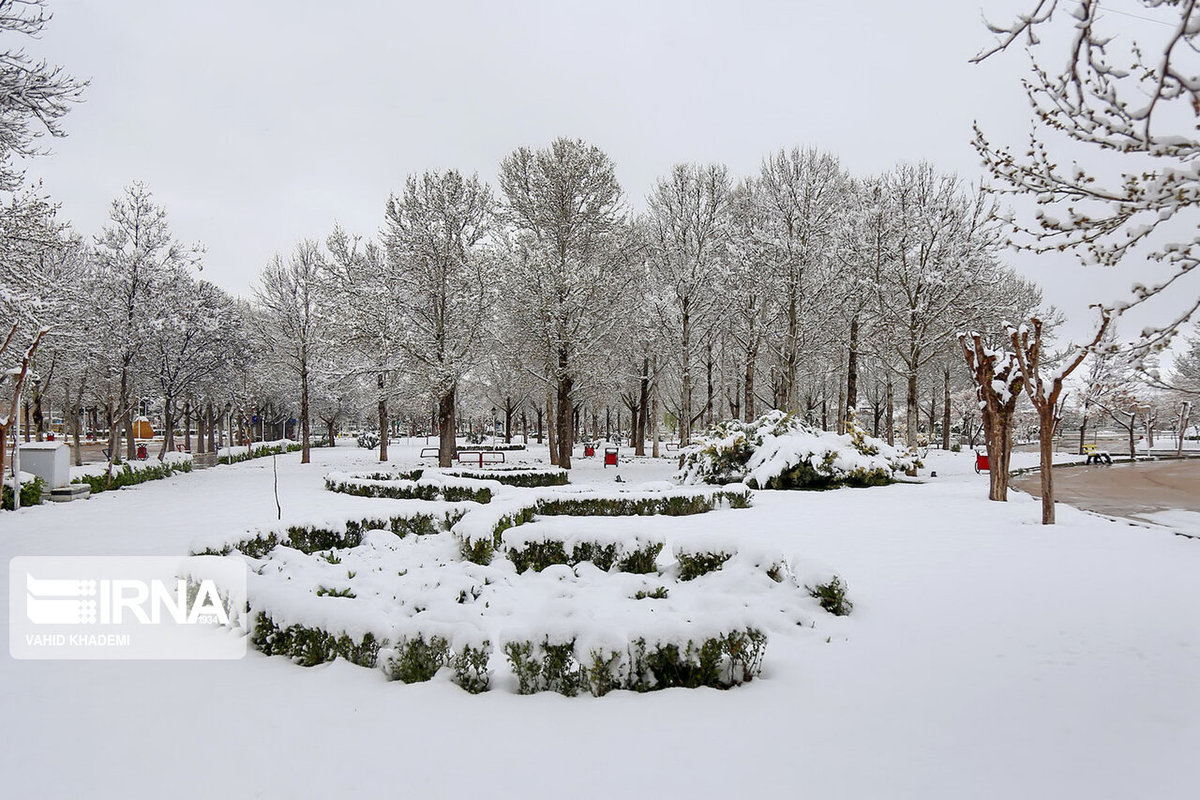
<point x="987" y="657"/>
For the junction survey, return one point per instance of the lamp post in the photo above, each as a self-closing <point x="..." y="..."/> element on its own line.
<point x="495" y="423"/>
<point x="17" y="458"/>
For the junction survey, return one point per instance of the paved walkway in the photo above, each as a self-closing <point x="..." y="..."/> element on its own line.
<point x="1148" y="490"/>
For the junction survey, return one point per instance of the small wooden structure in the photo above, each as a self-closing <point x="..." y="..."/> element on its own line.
<point x="142" y="429"/>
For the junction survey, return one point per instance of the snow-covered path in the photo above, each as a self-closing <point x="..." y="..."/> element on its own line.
<point x="987" y="657"/>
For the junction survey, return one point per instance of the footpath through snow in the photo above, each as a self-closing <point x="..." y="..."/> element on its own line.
<point x="987" y="657"/>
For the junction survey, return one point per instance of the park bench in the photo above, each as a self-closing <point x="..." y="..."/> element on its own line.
<point x="430" y="452"/>
<point x="1095" y="455"/>
<point x="491" y="456"/>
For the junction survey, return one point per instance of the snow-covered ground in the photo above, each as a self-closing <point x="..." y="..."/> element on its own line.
<point x="987" y="657"/>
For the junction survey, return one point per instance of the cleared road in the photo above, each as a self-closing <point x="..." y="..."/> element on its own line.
<point x="1139" y="490"/>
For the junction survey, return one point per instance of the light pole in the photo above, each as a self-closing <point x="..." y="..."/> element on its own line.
<point x="17" y="457"/>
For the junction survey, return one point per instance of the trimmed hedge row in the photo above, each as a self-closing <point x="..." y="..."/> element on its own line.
<point x="539" y="555"/>
<point x="311" y="539"/>
<point x="481" y="550"/>
<point x="721" y="662"/>
<point x="519" y="477"/>
<point x="405" y="489"/>
<point x="261" y="452"/>
<point x="127" y="475"/>
<point x="311" y="646"/>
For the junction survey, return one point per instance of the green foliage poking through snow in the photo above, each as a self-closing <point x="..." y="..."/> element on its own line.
<point x="521" y="477"/>
<point x="778" y="451"/>
<point x="539" y="555"/>
<point x="721" y="662"/>
<point x="130" y="474"/>
<point x="417" y="660"/>
<point x="235" y="455"/>
<point x="31" y="493"/>
<point x="694" y="564"/>
<point x="311" y="646"/>
<point x="832" y="596"/>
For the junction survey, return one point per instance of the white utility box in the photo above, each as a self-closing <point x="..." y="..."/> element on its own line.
<point x="50" y="461"/>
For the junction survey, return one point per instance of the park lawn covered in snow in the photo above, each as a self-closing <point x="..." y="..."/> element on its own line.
<point x="987" y="656"/>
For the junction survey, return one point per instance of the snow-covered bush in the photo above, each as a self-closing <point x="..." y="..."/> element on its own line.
<point x="832" y="596"/>
<point x="314" y="537"/>
<point x="235" y="455"/>
<point x="368" y="440"/>
<point x="32" y="488"/>
<point x="132" y="473"/>
<point x="721" y="661"/>
<point x="520" y="477"/>
<point x="433" y="487"/>
<point x="311" y="646"/>
<point x="778" y="451"/>
<point x="694" y="563"/>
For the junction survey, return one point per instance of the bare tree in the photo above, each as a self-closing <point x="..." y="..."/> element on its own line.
<point x="1044" y="385"/>
<point x="291" y="322"/>
<point x="998" y="383"/>
<point x="1134" y="102"/>
<point x="569" y="263"/>
<point x="436" y="244"/>
<point x="687" y="230"/>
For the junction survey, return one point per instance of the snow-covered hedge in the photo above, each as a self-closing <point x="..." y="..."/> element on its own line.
<point x="434" y="487"/>
<point x="368" y="440"/>
<point x="234" y="455"/>
<point x="521" y="477"/>
<point x="131" y="473"/>
<point x="720" y="660"/>
<point x="544" y="543"/>
<point x="778" y="451"/>
<point x="481" y="533"/>
<point x="32" y="489"/>
<point x="322" y="535"/>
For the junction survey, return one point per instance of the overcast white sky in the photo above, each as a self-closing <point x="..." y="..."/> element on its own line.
<point x="260" y="123"/>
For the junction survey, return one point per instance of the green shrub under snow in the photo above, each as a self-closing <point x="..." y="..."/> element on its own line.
<point x="779" y="451"/>
<point x="311" y="646"/>
<point x="313" y="538"/>
<point x="395" y="488"/>
<point x="479" y="549"/>
<point x="520" y="477"/>
<point x="131" y="474"/>
<point x="721" y="661"/>
<point x="31" y="493"/>
<point x="538" y="555"/>
<point x="368" y="440"/>
<point x="693" y="564"/>
<point x="236" y="455"/>
<point x="832" y="596"/>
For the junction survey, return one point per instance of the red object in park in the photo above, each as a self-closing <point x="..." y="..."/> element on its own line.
<point x="981" y="463"/>
<point x="142" y="452"/>
<point x="589" y="450"/>
<point x="610" y="457"/>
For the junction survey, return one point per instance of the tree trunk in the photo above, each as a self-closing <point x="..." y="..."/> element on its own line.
<point x="655" y="416"/>
<point x="748" y="395"/>
<point x="852" y="368"/>
<point x="946" y="410"/>
<point x="643" y="401"/>
<point x="1046" y="450"/>
<point x="708" y="403"/>
<point x="911" y="411"/>
<point x="304" y="424"/>
<point x="566" y="427"/>
<point x="383" y="430"/>
<point x="329" y="425"/>
<point x="891" y="415"/>
<point x="998" y="438"/>
<point x="446" y="424"/>
<point x="551" y="426"/>
<point x="685" y="398"/>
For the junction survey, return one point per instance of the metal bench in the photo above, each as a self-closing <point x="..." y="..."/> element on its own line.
<point x="430" y="452"/>
<point x="482" y="456"/>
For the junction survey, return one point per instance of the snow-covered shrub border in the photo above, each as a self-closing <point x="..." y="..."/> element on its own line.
<point x="481" y="533"/>
<point x="234" y="455"/>
<point x="428" y="487"/>
<point x="131" y="473"/>
<point x="718" y="660"/>
<point x="312" y="537"/>
<point x="778" y="451"/>
<point x="521" y="477"/>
